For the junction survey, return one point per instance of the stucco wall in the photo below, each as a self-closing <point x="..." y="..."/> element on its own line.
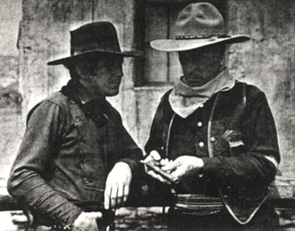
<point x="10" y="99"/>
<point x="268" y="61"/>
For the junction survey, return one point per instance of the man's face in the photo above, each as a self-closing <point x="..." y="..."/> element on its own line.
<point x="201" y="65"/>
<point x="105" y="75"/>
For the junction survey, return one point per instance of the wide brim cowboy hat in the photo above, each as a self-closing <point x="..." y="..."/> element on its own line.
<point x="197" y="25"/>
<point x="94" y="38"/>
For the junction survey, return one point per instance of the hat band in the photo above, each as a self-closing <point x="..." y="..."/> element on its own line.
<point x="107" y="46"/>
<point x="200" y="36"/>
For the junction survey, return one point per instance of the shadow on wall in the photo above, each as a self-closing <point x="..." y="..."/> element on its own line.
<point x="10" y="97"/>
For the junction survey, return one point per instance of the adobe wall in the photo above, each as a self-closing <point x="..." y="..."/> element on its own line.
<point x="268" y="61"/>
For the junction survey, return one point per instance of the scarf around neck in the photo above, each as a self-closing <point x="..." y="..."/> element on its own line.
<point x="184" y="100"/>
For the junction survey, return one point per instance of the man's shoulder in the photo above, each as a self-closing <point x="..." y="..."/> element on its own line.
<point x="57" y="98"/>
<point x="251" y="90"/>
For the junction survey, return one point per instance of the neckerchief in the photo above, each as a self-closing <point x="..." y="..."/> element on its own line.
<point x="184" y="100"/>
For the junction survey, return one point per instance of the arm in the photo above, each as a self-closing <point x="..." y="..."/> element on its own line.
<point x="34" y="163"/>
<point x="126" y="164"/>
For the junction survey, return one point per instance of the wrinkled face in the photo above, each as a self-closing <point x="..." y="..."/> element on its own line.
<point x="201" y="65"/>
<point x="102" y="77"/>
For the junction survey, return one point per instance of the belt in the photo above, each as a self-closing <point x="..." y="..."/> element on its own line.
<point x="196" y="204"/>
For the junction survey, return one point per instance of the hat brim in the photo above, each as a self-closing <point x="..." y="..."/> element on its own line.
<point x="74" y="58"/>
<point x="170" y="45"/>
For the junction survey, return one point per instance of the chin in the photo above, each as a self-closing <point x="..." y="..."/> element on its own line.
<point x="112" y="93"/>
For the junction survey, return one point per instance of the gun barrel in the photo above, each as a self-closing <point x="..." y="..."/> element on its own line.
<point x="164" y="174"/>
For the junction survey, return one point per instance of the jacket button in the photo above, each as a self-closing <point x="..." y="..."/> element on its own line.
<point x="200" y="124"/>
<point x="86" y="181"/>
<point x="212" y="139"/>
<point x="162" y="147"/>
<point x="81" y="139"/>
<point x="225" y="196"/>
<point x="201" y="144"/>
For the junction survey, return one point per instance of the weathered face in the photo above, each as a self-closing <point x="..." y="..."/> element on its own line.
<point x="103" y="77"/>
<point x="201" y="65"/>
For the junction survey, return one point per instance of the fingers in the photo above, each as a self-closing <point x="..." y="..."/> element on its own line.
<point x="154" y="155"/>
<point x="115" y="196"/>
<point x="171" y="166"/>
<point x="114" y="193"/>
<point x="107" y="196"/>
<point x="158" y="177"/>
<point x="126" y="193"/>
<point x="117" y="186"/>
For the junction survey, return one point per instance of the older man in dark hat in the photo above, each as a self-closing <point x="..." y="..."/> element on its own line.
<point x="218" y="133"/>
<point x="76" y="157"/>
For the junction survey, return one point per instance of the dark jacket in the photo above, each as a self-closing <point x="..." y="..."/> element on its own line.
<point x="237" y="128"/>
<point x="65" y="155"/>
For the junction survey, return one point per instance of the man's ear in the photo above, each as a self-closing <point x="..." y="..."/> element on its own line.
<point x="82" y="70"/>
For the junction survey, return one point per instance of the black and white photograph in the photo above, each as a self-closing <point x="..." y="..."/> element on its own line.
<point x="130" y="115"/>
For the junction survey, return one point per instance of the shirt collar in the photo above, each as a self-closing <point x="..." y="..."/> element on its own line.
<point x="84" y="95"/>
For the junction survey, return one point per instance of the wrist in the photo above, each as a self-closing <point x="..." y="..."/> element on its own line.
<point x="78" y="220"/>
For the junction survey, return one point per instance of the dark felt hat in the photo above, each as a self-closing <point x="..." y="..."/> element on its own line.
<point x="98" y="37"/>
<point x="198" y="25"/>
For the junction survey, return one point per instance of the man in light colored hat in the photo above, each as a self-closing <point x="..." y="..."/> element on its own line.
<point x="218" y="133"/>
<point x="76" y="157"/>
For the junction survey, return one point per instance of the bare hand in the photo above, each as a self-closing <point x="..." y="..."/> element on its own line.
<point x="117" y="185"/>
<point x="154" y="156"/>
<point x="184" y="165"/>
<point x="87" y="222"/>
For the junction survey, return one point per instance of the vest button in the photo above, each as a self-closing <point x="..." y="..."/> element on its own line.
<point x="200" y="124"/>
<point x="212" y="139"/>
<point x="86" y="181"/>
<point x="201" y="144"/>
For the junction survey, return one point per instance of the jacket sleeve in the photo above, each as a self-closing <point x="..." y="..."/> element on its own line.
<point x="131" y="154"/>
<point x="161" y="121"/>
<point x="34" y="163"/>
<point x="257" y="164"/>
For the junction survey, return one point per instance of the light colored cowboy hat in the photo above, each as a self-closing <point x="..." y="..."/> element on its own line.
<point x="198" y="25"/>
<point x="98" y="37"/>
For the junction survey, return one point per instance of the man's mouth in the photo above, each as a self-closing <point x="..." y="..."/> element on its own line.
<point x="115" y="83"/>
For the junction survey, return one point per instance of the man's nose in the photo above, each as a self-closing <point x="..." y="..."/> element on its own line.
<point x="117" y="71"/>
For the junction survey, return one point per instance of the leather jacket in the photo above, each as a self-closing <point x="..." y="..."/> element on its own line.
<point x="65" y="156"/>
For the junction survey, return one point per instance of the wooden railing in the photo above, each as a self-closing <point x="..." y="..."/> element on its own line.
<point x="282" y="196"/>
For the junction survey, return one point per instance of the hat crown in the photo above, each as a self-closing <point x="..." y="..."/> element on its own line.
<point x="200" y="20"/>
<point x="99" y="36"/>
